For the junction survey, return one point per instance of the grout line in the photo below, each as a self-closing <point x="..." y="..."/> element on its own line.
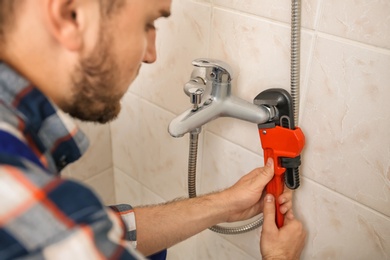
<point x="232" y="142"/>
<point x="156" y="106"/>
<point x="305" y="82"/>
<point x="325" y="35"/>
<point x="112" y="146"/>
<point x="254" y="16"/>
<point x="319" y="12"/>
<point x="114" y="171"/>
<point x="355" y="43"/>
<point x="98" y="174"/>
<point x="140" y="184"/>
<point x="352" y="201"/>
<point x="237" y="246"/>
<point x="210" y="28"/>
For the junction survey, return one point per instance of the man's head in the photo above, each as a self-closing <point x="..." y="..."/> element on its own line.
<point x="83" y="54"/>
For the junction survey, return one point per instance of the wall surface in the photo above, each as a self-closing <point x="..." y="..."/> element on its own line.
<point x="344" y="199"/>
<point x="95" y="168"/>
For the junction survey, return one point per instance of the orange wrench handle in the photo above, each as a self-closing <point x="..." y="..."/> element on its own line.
<point x="276" y="186"/>
<point x="280" y="142"/>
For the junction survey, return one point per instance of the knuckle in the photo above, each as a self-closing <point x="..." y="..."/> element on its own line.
<point x="265" y="172"/>
<point x="301" y="229"/>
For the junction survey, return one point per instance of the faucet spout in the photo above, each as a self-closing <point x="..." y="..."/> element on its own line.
<point x="190" y="120"/>
<point x="231" y="107"/>
<point x="242" y="109"/>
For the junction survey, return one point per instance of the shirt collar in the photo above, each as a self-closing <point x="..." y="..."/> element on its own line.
<point x="56" y="139"/>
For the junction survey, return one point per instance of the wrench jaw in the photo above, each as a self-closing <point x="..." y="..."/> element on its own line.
<point x="280" y="100"/>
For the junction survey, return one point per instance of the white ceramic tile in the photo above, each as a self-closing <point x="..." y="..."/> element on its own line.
<point x="130" y="191"/>
<point x="202" y="1"/>
<point x="144" y="150"/>
<point x="259" y="52"/>
<point x="223" y="164"/>
<point x="213" y="246"/>
<point x="103" y="185"/>
<point x="275" y="10"/>
<point x="338" y="228"/>
<point x="184" y="250"/>
<point x="248" y="242"/>
<point x="363" y="21"/>
<point x="180" y="39"/>
<point x="98" y="156"/>
<point x="346" y="122"/>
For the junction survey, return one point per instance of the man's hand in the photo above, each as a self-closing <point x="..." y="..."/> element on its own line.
<point x="164" y="225"/>
<point x="245" y="198"/>
<point x="284" y="243"/>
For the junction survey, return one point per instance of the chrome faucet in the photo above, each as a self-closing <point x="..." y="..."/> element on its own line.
<point x="209" y="90"/>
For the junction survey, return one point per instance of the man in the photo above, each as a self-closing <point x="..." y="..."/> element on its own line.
<point x="80" y="56"/>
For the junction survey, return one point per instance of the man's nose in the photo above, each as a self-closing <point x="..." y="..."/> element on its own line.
<point x="151" y="53"/>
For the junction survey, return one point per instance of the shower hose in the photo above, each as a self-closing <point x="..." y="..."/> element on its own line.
<point x="295" y="94"/>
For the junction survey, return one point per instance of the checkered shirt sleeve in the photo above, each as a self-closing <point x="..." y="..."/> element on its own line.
<point x="46" y="217"/>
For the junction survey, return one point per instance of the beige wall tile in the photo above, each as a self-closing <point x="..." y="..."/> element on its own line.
<point x="363" y="21"/>
<point x="181" y="39"/>
<point x="98" y="156"/>
<point x="223" y="164"/>
<point x="103" y="185"/>
<point x="145" y="151"/>
<point x="275" y="10"/>
<point x="346" y="120"/>
<point x="213" y="246"/>
<point x="129" y="191"/>
<point x="339" y="228"/>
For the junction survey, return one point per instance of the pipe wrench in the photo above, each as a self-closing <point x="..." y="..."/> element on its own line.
<point x="282" y="141"/>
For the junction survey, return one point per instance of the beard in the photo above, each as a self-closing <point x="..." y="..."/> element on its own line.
<point x="95" y="95"/>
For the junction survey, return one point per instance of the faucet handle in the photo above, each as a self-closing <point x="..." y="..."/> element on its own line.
<point x="220" y="71"/>
<point x="195" y="89"/>
<point x="196" y="97"/>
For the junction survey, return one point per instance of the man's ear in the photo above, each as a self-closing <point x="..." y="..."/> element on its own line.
<point x="63" y="23"/>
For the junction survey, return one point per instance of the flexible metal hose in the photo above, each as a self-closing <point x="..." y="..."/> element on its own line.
<point x="295" y="56"/>
<point x="192" y="158"/>
<point x="295" y="93"/>
<point x="296" y="64"/>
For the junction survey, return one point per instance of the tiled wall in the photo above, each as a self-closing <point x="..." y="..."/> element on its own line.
<point x="95" y="168"/>
<point x="344" y="200"/>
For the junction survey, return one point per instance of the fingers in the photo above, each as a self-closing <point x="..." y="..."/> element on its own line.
<point x="265" y="173"/>
<point x="285" y="200"/>
<point x="269" y="224"/>
<point x="295" y="226"/>
<point x="284" y="208"/>
<point x="286" y="195"/>
<point x="289" y="216"/>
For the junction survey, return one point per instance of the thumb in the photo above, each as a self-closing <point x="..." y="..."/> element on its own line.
<point x="265" y="173"/>
<point x="269" y="213"/>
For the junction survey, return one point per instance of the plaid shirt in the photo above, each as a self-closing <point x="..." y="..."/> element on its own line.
<point x="43" y="216"/>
